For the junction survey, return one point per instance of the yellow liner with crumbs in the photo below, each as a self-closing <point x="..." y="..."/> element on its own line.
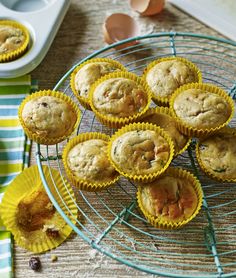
<point x="164" y="101"/>
<point x="165" y="111"/>
<point x="80" y="183"/>
<point x="83" y="100"/>
<point x="116" y="122"/>
<point x="226" y="130"/>
<point x="43" y="139"/>
<point x="170" y="225"/>
<point x="200" y="132"/>
<point x="14" y="54"/>
<point x="23" y="185"/>
<point x="144" y="178"/>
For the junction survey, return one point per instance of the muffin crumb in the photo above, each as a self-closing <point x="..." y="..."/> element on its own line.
<point x="51" y="231"/>
<point x="54" y="258"/>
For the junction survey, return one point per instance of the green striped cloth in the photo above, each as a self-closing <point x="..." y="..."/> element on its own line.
<point x="14" y="152"/>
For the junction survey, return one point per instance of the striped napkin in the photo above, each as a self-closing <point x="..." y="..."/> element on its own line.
<point x="14" y="152"/>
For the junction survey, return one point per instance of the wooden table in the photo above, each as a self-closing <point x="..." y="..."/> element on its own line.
<point x="79" y="35"/>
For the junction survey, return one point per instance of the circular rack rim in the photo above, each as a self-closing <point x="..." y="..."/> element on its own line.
<point x="39" y="161"/>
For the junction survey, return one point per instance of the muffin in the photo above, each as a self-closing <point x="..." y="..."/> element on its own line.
<point x="48" y="117"/>
<point x="87" y="73"/>
<point x="86" y="162"/>
<point x="141" y="151"/>
<point x="14" y="40"/>
<point x="29" y="214"/>
<point x="34" y="210"/>
<point x="165" y="75"/>
<point x="201" y="109"/>
<point x="161" y="116"/>
<point x="216" y="155"/>
<point x="172" y="200"/>
<point x="119" y="98"/>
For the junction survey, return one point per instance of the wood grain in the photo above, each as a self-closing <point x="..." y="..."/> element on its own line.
<point x="79" y="35"/>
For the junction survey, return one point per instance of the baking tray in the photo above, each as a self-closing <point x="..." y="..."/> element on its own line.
<point x="43" y="19"/>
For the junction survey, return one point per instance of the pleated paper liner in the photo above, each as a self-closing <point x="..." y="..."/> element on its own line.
<point x="44" y="139"/>
<point x="158" y="222"/>
<point x="117" y="122"/>
<point x="23" y="185"/>
<point x="219" y="176"/>
<point x="84" y="184"/>
<point x="187" y="129"/>
<point x="14" y="54"/>
<point x="164" y="101"/>
<point x="165" y="111"/>
<point x="83" y="100"/>
<point x="139" y="177"/>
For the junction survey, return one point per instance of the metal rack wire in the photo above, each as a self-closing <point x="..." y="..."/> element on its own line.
<point x="110" y="221"/>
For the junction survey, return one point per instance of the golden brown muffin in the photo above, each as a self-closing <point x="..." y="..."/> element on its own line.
<point x="48" y="116"/>
<point x="119" y="97"/>
<point x="161" y="116"/>
<point x="89" y="73"/>
<point x="14" y="39"/>
<point x="165" y="75"/>
<point x="84" y="76"/>
<point x="88" y="161"/>
<point x="172" y="200"/>
<point x="140" y="152"/>
<point x="201" y="108"/>
<point x="217" y="155"/>
<point x="10" y="39"/>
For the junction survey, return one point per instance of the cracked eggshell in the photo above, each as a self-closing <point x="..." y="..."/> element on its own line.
<point x="147" y="7"/>
<point x="118" y="27"/>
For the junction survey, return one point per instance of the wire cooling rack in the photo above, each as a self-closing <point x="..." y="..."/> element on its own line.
<point x="110" y="221"/>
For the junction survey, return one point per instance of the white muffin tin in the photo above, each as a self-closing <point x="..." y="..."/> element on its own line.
<point x="42" y="18"/>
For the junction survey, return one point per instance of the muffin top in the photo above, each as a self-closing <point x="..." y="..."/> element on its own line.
<point x="89" y="73"/>
<point x="49" y="116"/>
<point x="218" y="155"/>
<point x="119" y="97"/>
<point x="165" y="77"/>
<point x="11" y="38"/>
<point x="168" y="123"/>
<point x="140" y="152"/>
<point x="88" y="160"/>
<point x="201" y="109"/>
<point x="170" y="198"/>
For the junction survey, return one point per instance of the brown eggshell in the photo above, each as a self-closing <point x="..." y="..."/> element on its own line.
<point x="147" y="7"/>
<point x="118" y="27"/>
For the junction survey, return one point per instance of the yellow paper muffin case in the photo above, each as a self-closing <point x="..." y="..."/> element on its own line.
<point x="14" y="54"/>
<point x="165" y="111"/>
<point x="143" y="178"/>
<point x="198" y="132"/>
<point x="85" y="101"/>
<point x="164" y="101"/>
<point x="44" y="140"/>
<point x="116" y="122"/>
<point x="84" y="184"/>
<point x="225" y="130"/>
<point x="170" y="225"/>
<point x="24" y="184"/>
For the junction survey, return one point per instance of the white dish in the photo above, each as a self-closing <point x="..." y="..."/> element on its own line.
<point x="43" y="19"/>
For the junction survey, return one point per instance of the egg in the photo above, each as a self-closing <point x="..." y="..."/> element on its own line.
<point x="147" y="7"/>
<point x="119" y="26"/>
